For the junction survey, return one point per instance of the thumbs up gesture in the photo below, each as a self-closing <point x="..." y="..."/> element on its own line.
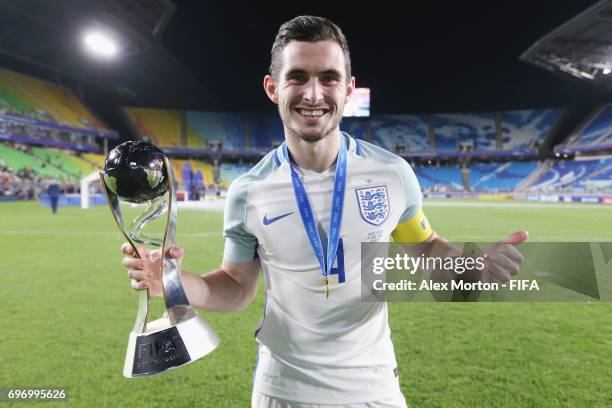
<point x="503" y="259"/>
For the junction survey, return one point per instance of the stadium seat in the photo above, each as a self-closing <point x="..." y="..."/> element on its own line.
<point x="400" y="132"/>
<point x="162" y="126"/>
<point x="596" y="132"/>
<point x="527" y="129"/>
<point x="22" y="95"/>
<point x="499" y="177"/>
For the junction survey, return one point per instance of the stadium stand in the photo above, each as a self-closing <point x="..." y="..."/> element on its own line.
<point x="401" y="133"/>
<point x="596" y="132"/>
<point x="598" y="181"/>
<point x="265" y="131"/>
<point x="195" y="165"/>
<point x="32" y="98"/>
<point x="194" y="140"/>
<point x="499" y="177"/>
<point x="527" y="129"/>
<point x="96" y="160"/>
<point x="465" y="132"/>
<point x="162" y="126"/>
<point x="178" y="166"/>
<point x="228" y="128"/>
<point x="228" y="172"/>
<point x="358" y="128"/>
<point x="17" y="159"/>
<point x="569" y="175"/>
<point x="519" y="131"/>
<point x="85" y="166"/>
<point x="68" y="163"/>
<point x="205" y="168"/>
<point x="443" y="178"/>
<point x="493" y="134"/>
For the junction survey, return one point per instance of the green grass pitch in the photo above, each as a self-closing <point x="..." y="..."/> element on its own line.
<point x="67" y="309"/>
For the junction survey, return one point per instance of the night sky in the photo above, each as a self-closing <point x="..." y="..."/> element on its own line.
<point x="415" y="56"/>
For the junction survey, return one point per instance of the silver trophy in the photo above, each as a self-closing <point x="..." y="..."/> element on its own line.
<point x="138" y="177"/>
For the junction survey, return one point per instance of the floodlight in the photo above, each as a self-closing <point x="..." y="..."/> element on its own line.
<point x="100" y="44"/>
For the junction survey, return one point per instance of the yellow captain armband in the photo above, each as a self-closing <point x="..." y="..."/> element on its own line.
<point x="414" y="230"/>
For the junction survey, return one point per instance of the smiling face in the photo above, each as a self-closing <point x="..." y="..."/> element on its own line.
<point x="311" y="89"/>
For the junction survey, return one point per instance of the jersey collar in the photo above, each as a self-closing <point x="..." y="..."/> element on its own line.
<point x="352" y="147"/>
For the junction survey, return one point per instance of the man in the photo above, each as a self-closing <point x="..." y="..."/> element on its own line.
<point x="297" y="216"/>
<point x="53" y="190"/>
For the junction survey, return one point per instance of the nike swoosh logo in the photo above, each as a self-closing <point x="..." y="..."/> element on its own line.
<point x="268" y="221"/>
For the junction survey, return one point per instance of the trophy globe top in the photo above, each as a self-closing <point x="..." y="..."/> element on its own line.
<point x="136" y="172"/>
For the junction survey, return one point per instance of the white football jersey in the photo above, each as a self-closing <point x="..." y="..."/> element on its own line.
<point x="313" y="348"/>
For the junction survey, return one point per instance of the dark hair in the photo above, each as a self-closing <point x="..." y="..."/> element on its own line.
<point x="308" y="29"/>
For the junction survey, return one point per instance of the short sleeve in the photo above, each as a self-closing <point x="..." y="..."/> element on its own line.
<point x="413" y="225"/>
<point x="240" y="244"/>
<point x="412" y="191"/>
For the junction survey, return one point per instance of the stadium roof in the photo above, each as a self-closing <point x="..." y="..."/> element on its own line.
<point x="580" y="48"/>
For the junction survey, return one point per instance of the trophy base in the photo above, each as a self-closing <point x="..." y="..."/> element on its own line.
<point x="164" y="346"/>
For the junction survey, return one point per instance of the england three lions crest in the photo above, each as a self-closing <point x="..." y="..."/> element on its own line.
<point x="373" y="204"/>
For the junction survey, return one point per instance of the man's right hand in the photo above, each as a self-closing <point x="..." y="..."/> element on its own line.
<point x="146" y="271"/>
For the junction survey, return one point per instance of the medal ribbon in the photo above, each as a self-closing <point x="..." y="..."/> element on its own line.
<point x="337" y="206"/>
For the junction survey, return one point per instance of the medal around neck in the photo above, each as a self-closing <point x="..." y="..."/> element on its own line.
<point x="139" y="183"/>
<point x="335" y="217"/>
